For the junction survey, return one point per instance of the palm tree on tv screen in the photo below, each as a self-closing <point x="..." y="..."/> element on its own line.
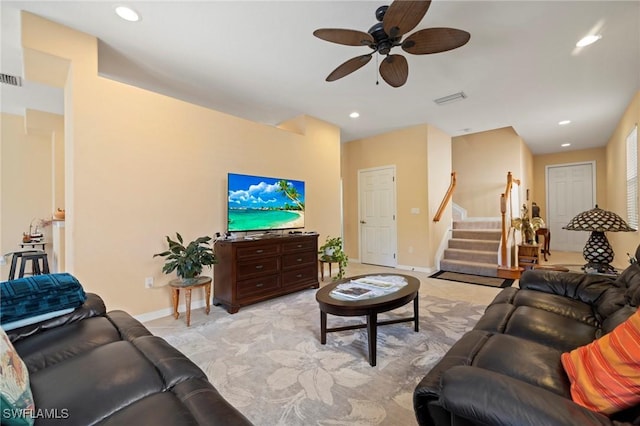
<point x="291" y="193"/>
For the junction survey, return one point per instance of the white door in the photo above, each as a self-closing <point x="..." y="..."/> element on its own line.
<point x="377" y="198"/>
<point x="570" y="190"/>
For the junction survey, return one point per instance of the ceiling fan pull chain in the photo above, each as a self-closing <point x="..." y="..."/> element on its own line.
<point x="377" y="75"/>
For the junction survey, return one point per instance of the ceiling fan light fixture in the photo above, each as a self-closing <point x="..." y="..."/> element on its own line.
<point x="127" y="14"/>
<point x="354" y="114"/>
<point x="450" y="98"/>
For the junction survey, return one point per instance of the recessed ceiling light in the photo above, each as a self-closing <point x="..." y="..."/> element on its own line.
<point x="127" y="14"/>
<point x="564" y="122"/>
<point x="564" y="145"/>
<point x="354" y="114"/>
<point x="590" y="39"/>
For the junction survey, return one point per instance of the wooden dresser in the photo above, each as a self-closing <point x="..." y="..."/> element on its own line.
<point x="252" y="270"/>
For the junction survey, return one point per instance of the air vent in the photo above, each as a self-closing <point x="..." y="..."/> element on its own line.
<point x="11" y="80"/>
<point x="451" y="98"/>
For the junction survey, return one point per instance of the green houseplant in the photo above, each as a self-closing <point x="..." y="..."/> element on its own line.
<point x="332" y="250"/>
<point x="188" y="261"/>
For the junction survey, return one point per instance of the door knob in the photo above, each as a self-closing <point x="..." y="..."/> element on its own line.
<point x="362" y="221"/>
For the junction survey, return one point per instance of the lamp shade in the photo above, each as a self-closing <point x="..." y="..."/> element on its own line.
<point x="597" y="251"/>
<point x="598" y="220"/>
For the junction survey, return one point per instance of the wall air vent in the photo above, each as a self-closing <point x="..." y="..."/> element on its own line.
<point x="11" y="80"/>
<point x="451" y="98"/>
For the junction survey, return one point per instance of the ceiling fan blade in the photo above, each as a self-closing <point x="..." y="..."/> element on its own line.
<point x="434" y="40"/>
<point x="342" y="36"/>
<point x="403" y="16"/>
<point x="348" y="67"/>
<point x="394" y="70"/>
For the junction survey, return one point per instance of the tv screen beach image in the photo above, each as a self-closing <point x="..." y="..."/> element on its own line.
<point x="258" y="203"/>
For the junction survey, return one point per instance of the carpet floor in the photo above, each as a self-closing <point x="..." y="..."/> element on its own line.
<point x="268" y="362"/>
<point x="473" y="279"/>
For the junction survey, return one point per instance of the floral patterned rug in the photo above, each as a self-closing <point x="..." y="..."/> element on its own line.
<point x="268" y="362"/>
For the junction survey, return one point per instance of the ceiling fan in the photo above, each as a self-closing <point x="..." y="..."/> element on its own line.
<point x="394" y="22"/>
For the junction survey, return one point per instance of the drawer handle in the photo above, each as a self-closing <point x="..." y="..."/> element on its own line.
<point x="299" y="245"/>
<point x="259" y="266"/>
<point x="299" y="260"/>
<point x="259" y="251"/>
<point x="260" y="285"/>
<point x="299" y="276"/>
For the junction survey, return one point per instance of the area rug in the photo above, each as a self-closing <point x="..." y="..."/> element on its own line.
<point x="268" y="362"/>
<point x="473" y="279"/>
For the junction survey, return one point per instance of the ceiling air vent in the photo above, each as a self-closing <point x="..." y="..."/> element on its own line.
<point x="11" y="80"/>
<point x="451" y="98"/>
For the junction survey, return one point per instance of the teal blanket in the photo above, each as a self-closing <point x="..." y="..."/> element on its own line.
<point x="39" y="294"/>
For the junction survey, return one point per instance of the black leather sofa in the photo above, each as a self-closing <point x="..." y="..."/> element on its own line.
<point x="507" y="370"/>
<point x="90" y="367"/>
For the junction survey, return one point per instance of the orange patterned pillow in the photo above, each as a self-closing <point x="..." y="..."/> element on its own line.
<point x="605" y="374"/>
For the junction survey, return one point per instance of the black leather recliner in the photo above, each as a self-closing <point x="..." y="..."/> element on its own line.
<point x="507" y="370"/>
<point x="91" y="367"/>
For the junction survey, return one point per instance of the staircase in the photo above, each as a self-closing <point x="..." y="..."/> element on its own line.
<point x="473" y="247"/>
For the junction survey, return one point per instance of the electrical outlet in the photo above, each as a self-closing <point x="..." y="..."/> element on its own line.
<point x="148" y="282"/>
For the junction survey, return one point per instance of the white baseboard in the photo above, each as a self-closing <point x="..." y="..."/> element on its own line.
<point x="403" y="267"/>
<point x="416" y="268"/>
<point x="150" y="316"/>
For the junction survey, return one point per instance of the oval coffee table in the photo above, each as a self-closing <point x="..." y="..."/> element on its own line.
<point x="370" y="308"/>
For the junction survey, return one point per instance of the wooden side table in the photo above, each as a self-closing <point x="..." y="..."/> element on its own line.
<point x="528" y="255"/>
<point x="321" y="261"/>
<point x="546" y="234"/>
<point x="178" y="284"/>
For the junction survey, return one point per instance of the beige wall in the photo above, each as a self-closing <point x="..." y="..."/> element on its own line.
<point x="26" y="180"/>
<point x="615" y="195"/>
<point x="141" y="165"/>
<point x="422" y="158"/>
<point x="481" y="162"/>
<point x="541" y="162"/>
<point x="438" y="178"/>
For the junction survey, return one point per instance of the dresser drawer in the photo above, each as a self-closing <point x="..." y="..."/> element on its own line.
<point x="301" y="245"/>
<point x="298" y="259"/>
<point x="258" y="250"/>
<point x="257" y="286"/>
<point x="306" y="274"/>
<point x="252" y="268"/>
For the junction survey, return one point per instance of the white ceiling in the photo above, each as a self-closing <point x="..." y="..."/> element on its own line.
<point x="259" y="60"/>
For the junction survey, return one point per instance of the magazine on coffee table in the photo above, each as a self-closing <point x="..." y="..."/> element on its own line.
<point x="353" y="291"/>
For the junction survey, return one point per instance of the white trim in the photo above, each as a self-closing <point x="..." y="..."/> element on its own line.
<point x="458" y="211"/>
<point x="150" y="316"/>
<point x="444" y="244"/>
<point x="416" y="268"/>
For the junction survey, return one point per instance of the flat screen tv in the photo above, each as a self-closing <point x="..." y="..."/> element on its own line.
<point x="259" y="203"/>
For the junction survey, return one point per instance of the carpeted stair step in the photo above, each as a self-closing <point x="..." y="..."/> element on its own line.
<point x="477" y="234"/>
<point x="481" y="245"/>
<point x="477" y="224"/>
<point x="465" y="267"/>
<point x="471" y="255"/>
<point x="473" y="247"/>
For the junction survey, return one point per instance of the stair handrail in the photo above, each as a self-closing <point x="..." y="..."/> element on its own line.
<point x="447" y="198"/>
<point x="506" y="212"/>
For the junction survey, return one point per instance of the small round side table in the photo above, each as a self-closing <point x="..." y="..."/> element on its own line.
<point x="326" y="259"/>
<point x="178" y="284"/>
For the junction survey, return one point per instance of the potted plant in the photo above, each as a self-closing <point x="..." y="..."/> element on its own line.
<point x="188" y="260"/>
<point x="331" y="250"/>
